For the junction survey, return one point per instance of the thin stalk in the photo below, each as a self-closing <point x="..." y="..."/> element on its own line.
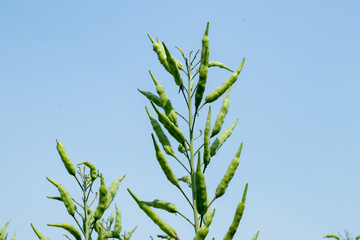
<point x="185" y="196"/>
<point x="182" y="117"/>
<point x="186" y="218"/>
<point x="181" y="163"/>
<point x="198" y="149"/>
<point x="187" y="103"/>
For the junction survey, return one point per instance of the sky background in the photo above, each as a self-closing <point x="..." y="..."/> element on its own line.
<point x="69" y="70"/>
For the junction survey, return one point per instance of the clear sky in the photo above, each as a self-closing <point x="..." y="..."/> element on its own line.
<point x="69" y="70"/>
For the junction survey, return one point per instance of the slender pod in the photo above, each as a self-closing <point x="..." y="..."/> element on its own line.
<point x="111" y="234"/>
<point x="154" y="217"/>
<point x="215" y="146"/>
<point x="167" y="106"/>
<point x="204" y="62"/>
<point x="13" y="237"/>
<point x="101" y="207"/>
<point x="183" y="149"/>
<point x="65" y="196"/>
<point x="215" y="94"/>
<point x="207" y="139"/>
<point x="201" y="193"/>
<point x="170" y="127"/>
<point x="160" y="134"/>
<point x="41" y="237"/>
<point x="117" y="226"/>
<point x="332" y="236"/>
<point x="3" y="229"/>
<point x="173" y="67"/>
<point x="93" y="172"/>
<point x="128" y="235"/>
<point x="160" y="51"/>
<point x="256" y="235"/>
<point x="71" y="229"/>
<point x="204" y="230"/>
<point x="161" y="204"/>
<point x="152" y="97"/>
<point x="65" y="158"/>
<point x="221" y="188"/>
<point x="165" y="166"/>
<point x="220" y="65"/>
<point x="221" y="116"/>
<point x="112" y="191"/>
<point x="238" y="215"/>
<point x="112" y="217"/>
<point x="56" y="198"/>
<point x="186" y="179"/>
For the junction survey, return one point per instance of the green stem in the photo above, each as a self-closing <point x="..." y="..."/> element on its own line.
<point x="182" y="117"/>
<point x="181" y="163"/>
<point x="186" y="218"/>
<point x="185" y="196"/>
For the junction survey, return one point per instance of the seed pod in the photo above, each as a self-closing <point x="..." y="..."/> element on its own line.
<point x="161" y="204"/>
<point x="128" y="235"/>
<point x="154" y="217"/>
<point x="167" y="106"/>
<point x="160" y="51"/>
<point x="112" y="217"/>
<point x="117" y="226"/>
<point x="221" y="116"/>
<point x="186" y="179"/>
<point x="215" y="94"/>
<point x="160" y="134"/>
<point x="207" y="139"/>
<point x="164" y="164"/>
<point x="174" y="70"/>
<point x="170" y="127"/>
<point x="93" y="172"/>
<point x="99" y="231"/>
<point x="56" y="198"/>
<point x="71" y="229"/>
<point x="238" y="215"/>
<point x="65" y="158"/>
<point x="221" y="188"/>
<point x="3" y="229"/>
<point x="203" y="68"/>
<point x="215" y="146"/>
<point x="13" y="237"/>
<point x="201" y="193"/>
<point x="332" y="236"/>
<point x="112" y="191"/>
<point x="101" y="207"/>
<point x="41" y="237"/>
<point x="256" y="235"/>
<point x="152" y="97"/>
<point x="204" y="230"/>
<point x="220" y="65"/>
<point x="65" y="196"/>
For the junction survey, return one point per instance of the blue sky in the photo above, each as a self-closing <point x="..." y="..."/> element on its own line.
<point x="70" y="70"/>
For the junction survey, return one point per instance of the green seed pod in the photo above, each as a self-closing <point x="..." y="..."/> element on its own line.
<point x="204" y="230"/>
<point x="112" y="217"/>
<point x="13" y="237"/>
<point x="111" y="234"/>
<point x="220" y="65"/>
<point x="221" y="116"/>
<point x="128" y="235"/>
<point x="117" y="226"/>
<point x="71" y="229"/>
<point x="101" y="207"/>
<point x="167" y="106"/>
<point x="164" y="164"/>
<point x="256" y="235"/>
<point x="332" y="236"/>
<point x="152" y="97"/>
<point x="41" y="237"/>
<point x="238" y="215"/>
<point x="203" y="68"/>
<point x="170" y="127"/>
<point x="112" y="191"/>
<point x="207" y="139"/>
<point x="3" y="229"/>
<point x="99" y="231"/>
<point x="65" y="158"/>
<point x="174" y="70"/>
<point x="186" y="179"/>
<point x="93" y="172"/>
<point x="65" y="196"/>
<point x="160" y="134"/>
<point x="154" y="217"/>
<point x="225" y="85"/>
<point x="215" y="146"/>
<point x="160" y="51"/>
<point x="201" y="193"/>
<point x="161" y="204"/>
<point x="221" y="188"/>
